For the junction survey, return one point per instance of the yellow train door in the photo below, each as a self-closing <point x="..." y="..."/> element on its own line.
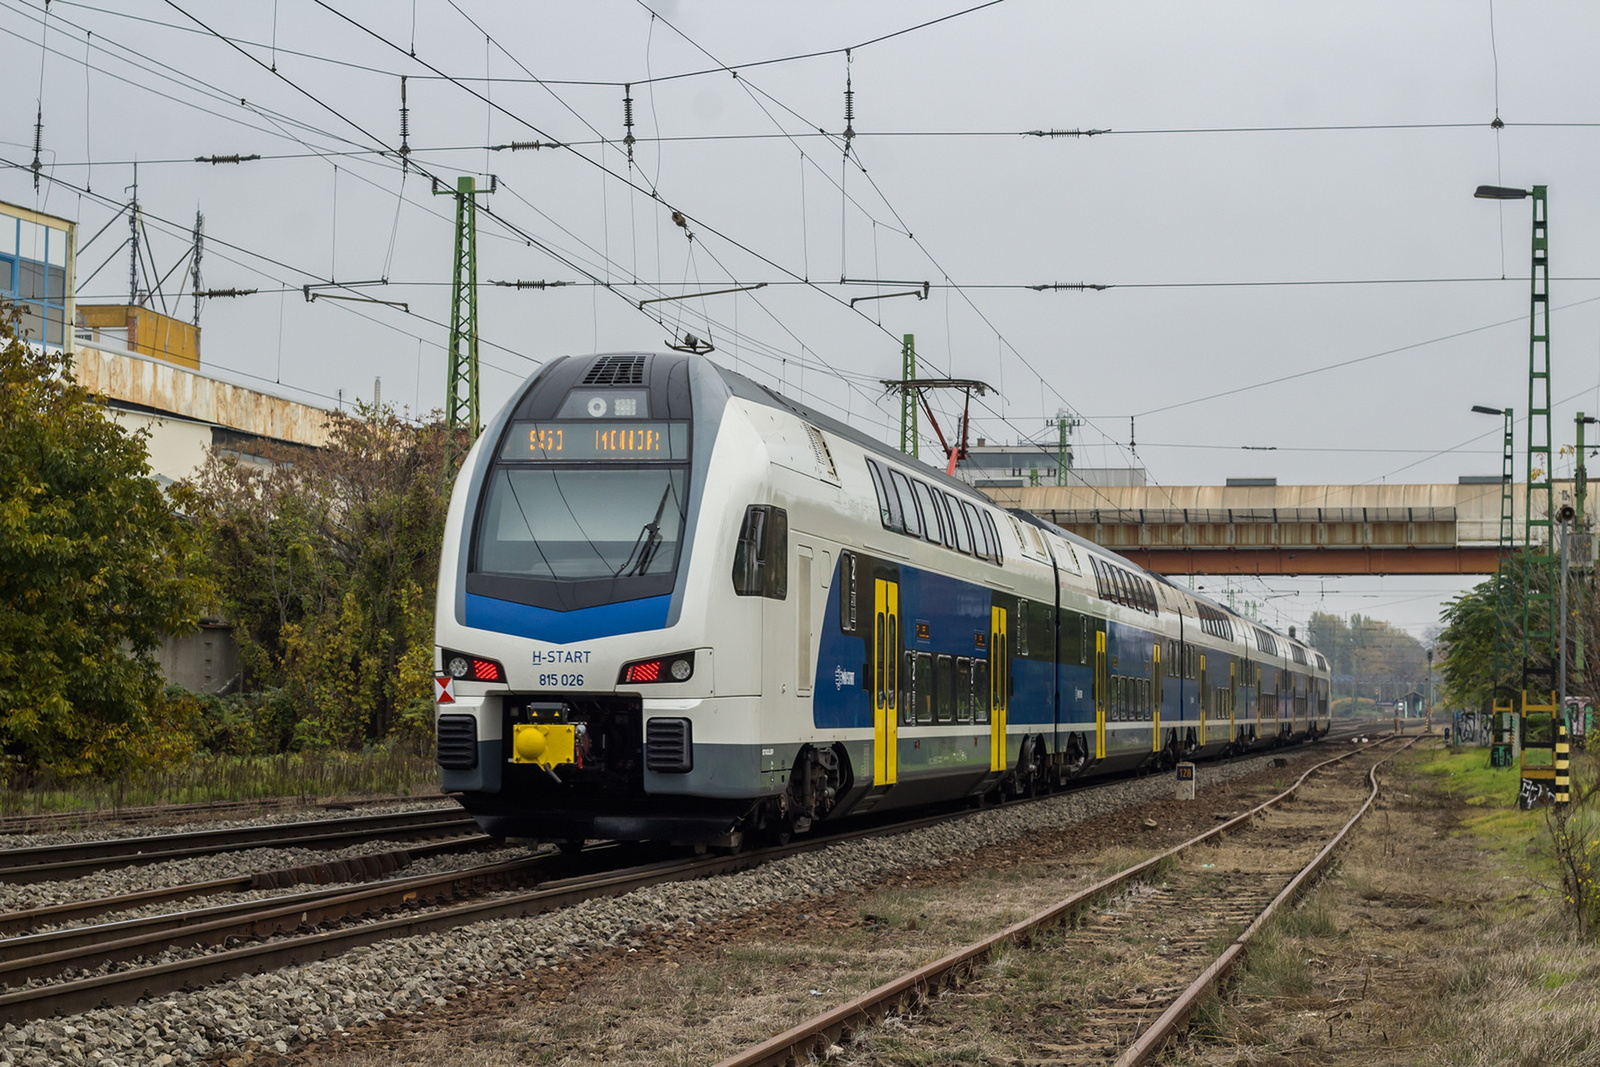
<point x="1000" y="686"/>
<point x="1102" y="693"/>
<point x="886" y="682"/>
<point x="1205" y="700"/>
<point x="1155" y="712"/>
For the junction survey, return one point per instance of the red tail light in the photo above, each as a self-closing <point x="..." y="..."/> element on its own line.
<point x="467" y="668"/>
<point x="648" y="671"/>
<point x="678" y="667"/>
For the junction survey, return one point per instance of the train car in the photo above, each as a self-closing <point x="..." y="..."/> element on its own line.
<point x="675" y="605"/>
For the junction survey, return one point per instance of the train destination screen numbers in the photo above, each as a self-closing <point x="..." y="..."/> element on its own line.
<point x="594" y="439"/>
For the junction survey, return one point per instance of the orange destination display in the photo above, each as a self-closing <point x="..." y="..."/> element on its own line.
<point x="597" y="440"/>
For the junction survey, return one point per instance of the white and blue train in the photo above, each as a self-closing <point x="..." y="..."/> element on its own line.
<point x="674" y="605"/>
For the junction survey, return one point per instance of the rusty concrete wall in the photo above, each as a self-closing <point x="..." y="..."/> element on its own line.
<point x="168" y="388"/>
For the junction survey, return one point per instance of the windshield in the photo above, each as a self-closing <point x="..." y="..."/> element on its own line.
<point x="582" y="523"/>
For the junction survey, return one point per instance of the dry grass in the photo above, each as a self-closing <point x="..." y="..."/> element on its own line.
<point x="383" y="771"/>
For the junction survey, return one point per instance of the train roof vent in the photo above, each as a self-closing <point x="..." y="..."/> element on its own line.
<point x="616" y="370"/>
<point x="819" y="447"/>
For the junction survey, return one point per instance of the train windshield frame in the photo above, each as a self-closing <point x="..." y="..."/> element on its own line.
<point x="567" y="533"/>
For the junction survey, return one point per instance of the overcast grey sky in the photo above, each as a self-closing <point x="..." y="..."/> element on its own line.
<point x="1176" y="194"/>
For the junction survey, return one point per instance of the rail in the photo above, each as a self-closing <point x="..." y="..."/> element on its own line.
<point x="814" y="1036"/>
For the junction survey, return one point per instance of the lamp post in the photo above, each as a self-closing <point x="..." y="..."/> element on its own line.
<point x="1502" y="734"/>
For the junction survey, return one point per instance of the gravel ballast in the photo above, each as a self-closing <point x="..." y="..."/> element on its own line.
<point x="284" y="1008"/>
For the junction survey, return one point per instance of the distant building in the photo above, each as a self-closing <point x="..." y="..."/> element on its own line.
<point x="992" y="466"/>
<point x="186" y="410"/>
<point x="37" y="259"/>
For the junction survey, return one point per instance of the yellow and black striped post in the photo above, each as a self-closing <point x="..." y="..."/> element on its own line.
<point x="1563" y="755"/>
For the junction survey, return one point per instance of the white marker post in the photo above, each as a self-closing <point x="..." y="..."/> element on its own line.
<point x="1185" y="781"/>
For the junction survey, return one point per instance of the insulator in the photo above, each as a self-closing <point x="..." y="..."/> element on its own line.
<point x="405" y="127"/>
<point x="38" y="140"/>
<point x="627" y="119"/>
<point x="849" y="105"/>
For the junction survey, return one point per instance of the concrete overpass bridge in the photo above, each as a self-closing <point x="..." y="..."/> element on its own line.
<point x="1290" y="529"/>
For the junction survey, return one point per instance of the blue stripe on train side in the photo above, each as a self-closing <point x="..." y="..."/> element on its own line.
<point x="564" y="627"/>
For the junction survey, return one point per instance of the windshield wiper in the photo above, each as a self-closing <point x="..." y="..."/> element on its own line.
<point x="649" y="537"/>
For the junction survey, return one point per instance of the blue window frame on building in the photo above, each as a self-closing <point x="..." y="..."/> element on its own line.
<point x="37" y="286"/>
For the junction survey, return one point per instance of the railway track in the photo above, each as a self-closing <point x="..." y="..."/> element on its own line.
<point x="55" y="862"/>
<point x="1132" y="1027"/>
<point x="285" y="930"/>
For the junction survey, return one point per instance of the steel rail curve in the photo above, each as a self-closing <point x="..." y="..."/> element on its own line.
<point x="812" y="1037"/>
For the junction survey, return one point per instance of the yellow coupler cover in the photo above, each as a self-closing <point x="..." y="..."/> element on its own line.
<point x="546" y="744"/>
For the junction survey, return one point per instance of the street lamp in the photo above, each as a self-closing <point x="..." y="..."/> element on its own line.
<point x="1501" y="192"/>
<point x="1501" y="748"/>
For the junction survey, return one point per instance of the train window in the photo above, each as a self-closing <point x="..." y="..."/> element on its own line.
<point x="979" y="548"/>
<point x="847" y="592"/>
<point x="933" y="522"/>
<point x="959" y="521"/>
<point x="980" y="691"/>
<point x="994" y="538"/>
<point x="909" y="688"/>
<point x="900" y="486"/>
<point x="1041" y="624"/>
<point x="888" y="506"/>
<point x="944" y="682"/>
<point x="1070" y="637"/>
<point x="761" y="557"/>
<point x="1019" y="627"/>
<point x="925" y="687"/>
<point x="879" y="663"/>
<point x="949" y="517"/>
<point x="963" y="689"/>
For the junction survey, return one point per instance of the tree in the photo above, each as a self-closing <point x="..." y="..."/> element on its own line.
<point x="328" y="559"/>
<point x="95" y="570"/>
<point x="1472" y="628"/>
<point x="1368" y="655"/>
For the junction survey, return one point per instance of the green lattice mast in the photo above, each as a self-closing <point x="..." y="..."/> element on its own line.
<point x="1539" y="561"/>
<point x="908" y="397"/>
<point x="461" y="382"/>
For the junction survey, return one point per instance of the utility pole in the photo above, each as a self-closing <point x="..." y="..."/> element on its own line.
<point x="1065" y="424"/>
<point x="908" y="399"/>
<point x="1580" y="526"/>
<point x="461" y="382"/>
<point x="1539" y="600"/>
<point x="133" y="241"/>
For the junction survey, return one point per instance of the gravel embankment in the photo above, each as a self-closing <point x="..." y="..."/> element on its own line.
<point x="109" y="833"/>
<point x="426" y="865"/>
<point x="287" y="1007"/>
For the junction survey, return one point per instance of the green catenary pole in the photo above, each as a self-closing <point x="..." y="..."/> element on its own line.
<point x="461" y="383"/>
<point x="1539" y="560"/>
<point x="908" y="397"/>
